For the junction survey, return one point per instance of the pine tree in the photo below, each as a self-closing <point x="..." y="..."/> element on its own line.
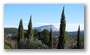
<point x="78" y="39"/>
<point x="50" y="40"/>
<point x="62" y="31"/>
<point x="20" y="32"/>
<point x="30" y="31"/>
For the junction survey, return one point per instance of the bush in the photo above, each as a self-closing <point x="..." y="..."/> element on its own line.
<point x="6" y="46"/>
<point x="32" y="44"/>
<point x="69" y="40"/>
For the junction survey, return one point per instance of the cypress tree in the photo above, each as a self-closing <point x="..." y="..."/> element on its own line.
<point x="20" y="32"/>
<point x="50" y="40"/>
<point x="62" y="31"/>
<point x="30" y="31"/>
<point x="78" y="39"/>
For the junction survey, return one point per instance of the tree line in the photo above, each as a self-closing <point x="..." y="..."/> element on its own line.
<point x="33" y="39"/>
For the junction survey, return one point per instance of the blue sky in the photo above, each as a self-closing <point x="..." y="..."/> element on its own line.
<point x="44" y="14"/>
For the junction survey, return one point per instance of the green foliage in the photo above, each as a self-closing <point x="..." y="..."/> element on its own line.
<point x="36" y="33"/>
<point x="50" y="40"/>
<point x="21" y="44"/>
<point x="11" y="30"/>
<point x="20" y="32"/>
<point x="62" y="31"/>
<point x="44" y="36"/>
<point x="79" y="39"/>
<point x="30" y="31"/>
<point x="33" y="44"/>
<point x="55" y="41"/>
<point x="69" y="40"/>
<point x="32" y="41"/>
<point x="6" y="46"/>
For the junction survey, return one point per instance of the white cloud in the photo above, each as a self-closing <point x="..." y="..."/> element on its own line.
<point x="74" y="27"/>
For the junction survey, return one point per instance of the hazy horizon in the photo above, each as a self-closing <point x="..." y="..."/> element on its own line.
<point x="45" y="25"/>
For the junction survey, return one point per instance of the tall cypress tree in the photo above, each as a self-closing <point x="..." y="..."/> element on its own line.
<point x="30" y="31"/>
<point x="20" y="32"/>
<point x="50" y="40"/>
<point x="62" y="31"/>
<point x="78" y="39"/>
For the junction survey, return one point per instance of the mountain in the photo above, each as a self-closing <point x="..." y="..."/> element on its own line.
<point x="74" y="33"/>
<point x="48" y="27"/>
<point x="11" y="30"/>
<point x="14" y="31"/>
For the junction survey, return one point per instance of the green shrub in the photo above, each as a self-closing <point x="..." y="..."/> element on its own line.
<point x="32" y="44"/>
<point x="6" y="46"/>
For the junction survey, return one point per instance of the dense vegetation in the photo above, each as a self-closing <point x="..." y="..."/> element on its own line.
<point x="34" y="39"/>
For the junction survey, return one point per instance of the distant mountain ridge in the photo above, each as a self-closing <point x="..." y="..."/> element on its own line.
<point x="48" y="27"/>
<point x="10" y="30"/>
<point x="41" y="28"/>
